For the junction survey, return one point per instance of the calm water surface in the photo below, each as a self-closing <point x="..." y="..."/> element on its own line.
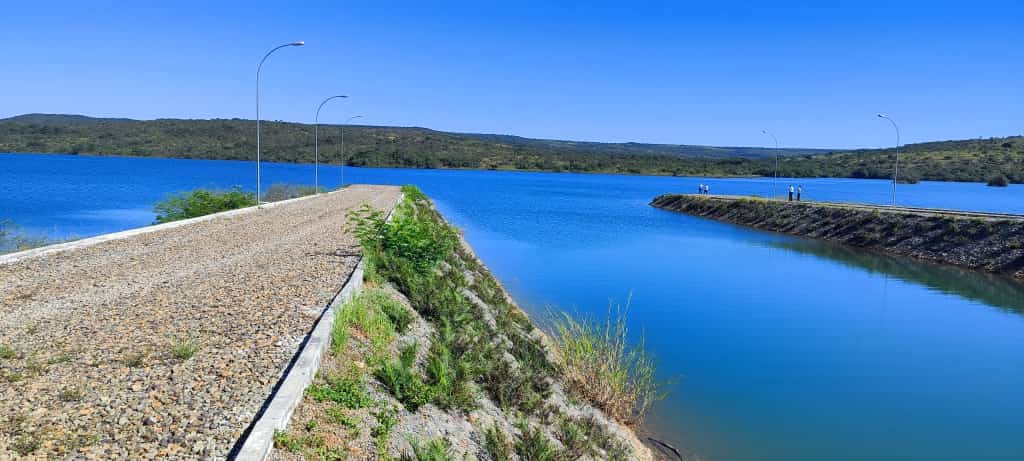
<point x="785" y="349"/>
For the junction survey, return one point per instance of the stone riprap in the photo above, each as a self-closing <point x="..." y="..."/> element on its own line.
<point x="982" y="241"/>
<point x="94" y="341"/>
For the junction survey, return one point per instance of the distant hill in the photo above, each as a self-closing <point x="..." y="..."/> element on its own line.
<point x="413" y="147"/>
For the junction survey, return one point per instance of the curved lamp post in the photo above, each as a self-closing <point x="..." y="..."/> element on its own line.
<point x="316" y="142"/>
<point x="776" y="177"/>
<point x="896" y="172"/>
<point x="343" y="148"/>
<point x="258" y="69"/>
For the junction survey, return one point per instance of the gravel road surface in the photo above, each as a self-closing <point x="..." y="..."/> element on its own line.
<point x="89" y="366"/>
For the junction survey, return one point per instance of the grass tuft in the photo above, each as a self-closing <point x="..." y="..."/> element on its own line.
<point x="184" y="347"/>
<point x="602" y="367"/>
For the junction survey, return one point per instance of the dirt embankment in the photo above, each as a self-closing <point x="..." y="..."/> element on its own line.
<point x="973" y="241"/>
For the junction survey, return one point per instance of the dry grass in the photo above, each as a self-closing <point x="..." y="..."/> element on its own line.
<point x="602" y="367"/>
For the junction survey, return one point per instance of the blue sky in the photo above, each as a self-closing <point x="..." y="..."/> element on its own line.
<point x="690" y="73"/>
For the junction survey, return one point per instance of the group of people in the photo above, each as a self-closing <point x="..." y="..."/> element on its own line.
<point x="703" y="189"/>
<point x="799" y="192"/>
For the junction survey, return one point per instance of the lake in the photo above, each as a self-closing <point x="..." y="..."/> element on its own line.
<point x="783" y="348"/>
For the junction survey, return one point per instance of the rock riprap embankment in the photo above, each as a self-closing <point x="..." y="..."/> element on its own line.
<point x="972" y="240"/>
<point x="166" y="344"/>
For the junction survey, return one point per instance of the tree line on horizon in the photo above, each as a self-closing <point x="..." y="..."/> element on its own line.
<point x="976" y="160"/>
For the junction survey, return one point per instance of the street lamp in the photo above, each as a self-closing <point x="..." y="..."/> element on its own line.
<point x="776" y="177"/>
<point x="258" y="69"/>
<point x="316" y="142"/>
<point x="896" y="171"/>
<point x="343" y="148"/>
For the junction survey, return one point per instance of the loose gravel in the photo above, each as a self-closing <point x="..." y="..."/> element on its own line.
<point x="99" y="335"/>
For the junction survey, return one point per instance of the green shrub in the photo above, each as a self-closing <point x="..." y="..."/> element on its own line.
<point x="7" y="352"/>
<point x="201" y="202"/>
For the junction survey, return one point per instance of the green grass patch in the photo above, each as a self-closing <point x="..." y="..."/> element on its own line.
<point x="184" y="347"/>
<point x="345" y="391"/>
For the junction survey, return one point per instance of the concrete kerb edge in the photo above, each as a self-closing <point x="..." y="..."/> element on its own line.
<point x="90" y="241"/>
<point x="260" y="441"/>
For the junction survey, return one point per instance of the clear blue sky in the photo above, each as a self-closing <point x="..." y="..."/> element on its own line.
<point x="697" y="73"/>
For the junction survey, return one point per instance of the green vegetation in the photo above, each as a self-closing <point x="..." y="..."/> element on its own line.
<point x="435" y="450"/>
<point x="967" y="160"/>
<point x="7" y="352"/>
<point x="481" y="348"/>
<point x="347" y="392"/>
<point x="408" y="251"/>
<point x="400" y="377"/>
<point x="201" y="202"/>
<point x="497" y="444"/>
<point x="604" y="368"/>
<point x="184" y="347"/>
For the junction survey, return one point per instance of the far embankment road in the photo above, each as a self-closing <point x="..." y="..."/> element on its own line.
<point x="992" y="242"/>
<point x="167" y="343"/>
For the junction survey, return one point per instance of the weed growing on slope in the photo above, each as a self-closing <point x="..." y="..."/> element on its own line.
<point x="365" y="312"/>
<point x="435" y="450"/>
<point x="399" y="377"/>
<point x="346" y="392"/>
<point x="497" y="444"/>
<point x="602" y="366"/>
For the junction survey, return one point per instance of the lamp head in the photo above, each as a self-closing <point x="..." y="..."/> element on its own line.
<point x="882" y="116"/>
<point x="298" y="43"/>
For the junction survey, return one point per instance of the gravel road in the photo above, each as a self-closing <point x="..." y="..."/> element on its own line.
<point x="87" y="361"/>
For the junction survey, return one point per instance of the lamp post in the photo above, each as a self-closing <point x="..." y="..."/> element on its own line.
<point x="258" y="69"/>
<point x="776" y="177"/>
<point x="316" y="142"/>
<point x="896" y="171"/>
<point x="343" y="148"/>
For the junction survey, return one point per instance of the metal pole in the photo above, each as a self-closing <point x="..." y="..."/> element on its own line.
<point x="343" y="148"/>
<point x="316" y="143"/>
<point x="896" y="171"/>
<point x="776" y="177"/>
<point x="258" y="69"/>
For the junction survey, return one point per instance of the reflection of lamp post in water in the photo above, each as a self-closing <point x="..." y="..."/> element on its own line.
<point x="258" y="69"/>
<point x="316" y="143"/>
<point x="896" y="171"/>
<point x="343" y="148"/>
<point x="776" y="177"/>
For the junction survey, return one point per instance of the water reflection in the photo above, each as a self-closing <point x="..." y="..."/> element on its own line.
<point x="994" y="290"/>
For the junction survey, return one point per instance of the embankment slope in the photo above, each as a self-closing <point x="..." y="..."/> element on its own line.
<point x="991" y="244"/>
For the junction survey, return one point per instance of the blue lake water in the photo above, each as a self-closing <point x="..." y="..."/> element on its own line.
<point x="784" y="348"/>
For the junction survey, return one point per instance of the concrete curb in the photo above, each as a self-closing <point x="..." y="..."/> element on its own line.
<point x="260" y="440"/>
<point x="86" y="242"/>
